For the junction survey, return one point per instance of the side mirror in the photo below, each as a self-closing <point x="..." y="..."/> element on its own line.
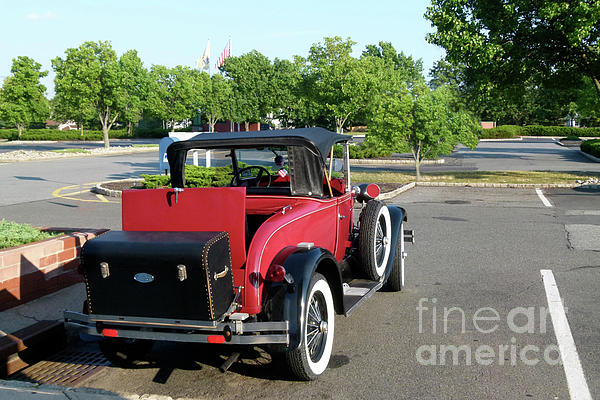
<point x="338" y="165"/>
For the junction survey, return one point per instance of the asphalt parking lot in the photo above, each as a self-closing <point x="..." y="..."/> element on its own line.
<point x="479" y="252"/>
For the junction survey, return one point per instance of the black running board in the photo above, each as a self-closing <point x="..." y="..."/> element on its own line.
<point x="356" y="292"/>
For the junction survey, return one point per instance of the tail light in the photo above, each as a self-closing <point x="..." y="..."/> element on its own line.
<point x="110" y="332"/>
<point x="276" y="273"/>
<point x="366" y="192"/>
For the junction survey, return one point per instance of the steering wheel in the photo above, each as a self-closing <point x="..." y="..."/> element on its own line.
<point x="252" y="181"/>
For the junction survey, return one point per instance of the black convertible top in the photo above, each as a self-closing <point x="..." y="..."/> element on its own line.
<point x="318" y="140"/>
<point x="311" y="144"/>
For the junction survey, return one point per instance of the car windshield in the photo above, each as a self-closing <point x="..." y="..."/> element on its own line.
<point x="214" y="167"/>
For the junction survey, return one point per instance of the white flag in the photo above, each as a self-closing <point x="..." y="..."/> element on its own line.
<point x="203" y="64"/>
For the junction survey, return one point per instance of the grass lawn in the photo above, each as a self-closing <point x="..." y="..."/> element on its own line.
<point x="145" y="145"/>
<point x="69" y="151"/>
<point x="14" y="234"/>
<point x="514" y="177"/>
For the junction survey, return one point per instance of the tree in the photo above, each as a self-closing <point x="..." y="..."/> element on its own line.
<point x="22" y="99"/>
<point x="174" y="94"/>
<point x="91" y="74"/>
<point x="410" y="70"/>
<point x="426" y="119"/>
<point x="341" y="84"/>
<point x="251" y="83"/>
<point x="135" y="82"/>
<point x="285" y="85"/>
<point x="217" y="97"/>
<point x="506" y="42"/>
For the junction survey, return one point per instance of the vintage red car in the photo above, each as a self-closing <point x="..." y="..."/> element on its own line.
<point x="269" y="259"/>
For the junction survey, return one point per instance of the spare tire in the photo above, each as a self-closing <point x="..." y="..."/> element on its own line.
<point x="374" y="239"/>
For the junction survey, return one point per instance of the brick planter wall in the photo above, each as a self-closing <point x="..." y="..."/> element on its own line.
<point x="36" y="269"/>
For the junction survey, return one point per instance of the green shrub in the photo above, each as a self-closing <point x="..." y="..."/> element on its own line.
<point x="13" y="234"/>
<point x="54" y="134"/>
<point x="509" y="131"/>
<point x="500" y="132"/>
<point x="151" y="132"/>
<point x="195" y="176"/>
<point x="572" y="137"/>
<point x="591" y="147"/>
<point x="365" y="150"/>
<point x="538" y="130"/>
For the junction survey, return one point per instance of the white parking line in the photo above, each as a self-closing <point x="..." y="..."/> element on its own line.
<point x="543" y="198"/>
<point x="578" y="387"/>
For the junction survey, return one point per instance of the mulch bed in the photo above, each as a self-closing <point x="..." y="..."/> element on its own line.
<point x="122" y="185"/>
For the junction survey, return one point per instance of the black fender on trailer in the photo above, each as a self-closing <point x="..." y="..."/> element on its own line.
<point x="397" y="216"/>
<point x="286" y="300"/>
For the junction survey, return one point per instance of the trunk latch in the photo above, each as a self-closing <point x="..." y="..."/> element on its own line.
<point x="181" y="272"/>
<point x="104" y="271"/>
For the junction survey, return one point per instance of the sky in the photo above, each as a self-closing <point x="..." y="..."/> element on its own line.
<point x="176" y="32"/>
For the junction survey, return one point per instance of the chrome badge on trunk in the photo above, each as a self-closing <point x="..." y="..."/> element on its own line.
<point x="143" y="277"/>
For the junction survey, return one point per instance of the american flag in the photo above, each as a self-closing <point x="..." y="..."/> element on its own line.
<point x="225" y="54"/>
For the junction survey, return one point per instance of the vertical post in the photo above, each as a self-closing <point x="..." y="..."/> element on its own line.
<point x="347" y="166"/>
<point x="195" y="157"/>
<point x="207" y="158"/>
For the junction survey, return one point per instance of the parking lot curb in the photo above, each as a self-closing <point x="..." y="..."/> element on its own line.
<point x="591" y="157"/>
<point x="396" y="192"/>
<point x="503" y="139"/>
<point x="99" y="189"/>
<point x="358" y="161"/>
<point x="80" y="155"/>
<point x="501" y="185"/>
<point x="18" y="390"/>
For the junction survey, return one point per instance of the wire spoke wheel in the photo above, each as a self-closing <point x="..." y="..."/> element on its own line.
<point x="374" y="239"/>
<point x="310" y="359"/>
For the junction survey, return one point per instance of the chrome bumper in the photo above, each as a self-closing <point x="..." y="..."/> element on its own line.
<point x="234" y="331"/>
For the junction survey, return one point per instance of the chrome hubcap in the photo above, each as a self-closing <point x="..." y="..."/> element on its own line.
<point x="316" y="327"/>
<point x="381" y="241"/>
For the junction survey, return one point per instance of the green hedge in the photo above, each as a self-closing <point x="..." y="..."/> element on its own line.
<point x="198" y="176"/>
<point x="195" y="176"/>
<point x="591" y="147"/>
<point x="53" y="134"/>
<point x="361" y="151"/>
<point x="509" y="131"/>
<point x="500" y="132"/>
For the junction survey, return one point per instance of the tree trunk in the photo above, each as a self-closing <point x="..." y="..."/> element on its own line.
<point x="596" y="84"/>
<point x="105" y="136"/>
<point x="247" y="126"/>
<point x="81" y="129"/>
<point x="129" y="128"/>
<point x="105" y="129"/>
<point x="20" y="129"/>
<point x="416" y="152"/>
<point x="172" y="125"/>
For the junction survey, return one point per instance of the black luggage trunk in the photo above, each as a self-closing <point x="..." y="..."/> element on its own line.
<point x="171" y="275"/>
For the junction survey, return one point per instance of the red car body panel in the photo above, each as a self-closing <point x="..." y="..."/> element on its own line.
<point x="324" y="222"/>
<point x="308" y="220"/>
<point x="196" y="209"/>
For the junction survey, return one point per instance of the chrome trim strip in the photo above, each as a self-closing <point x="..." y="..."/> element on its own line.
<point x="80" y="319"/>
<point x="191" y="337"/>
